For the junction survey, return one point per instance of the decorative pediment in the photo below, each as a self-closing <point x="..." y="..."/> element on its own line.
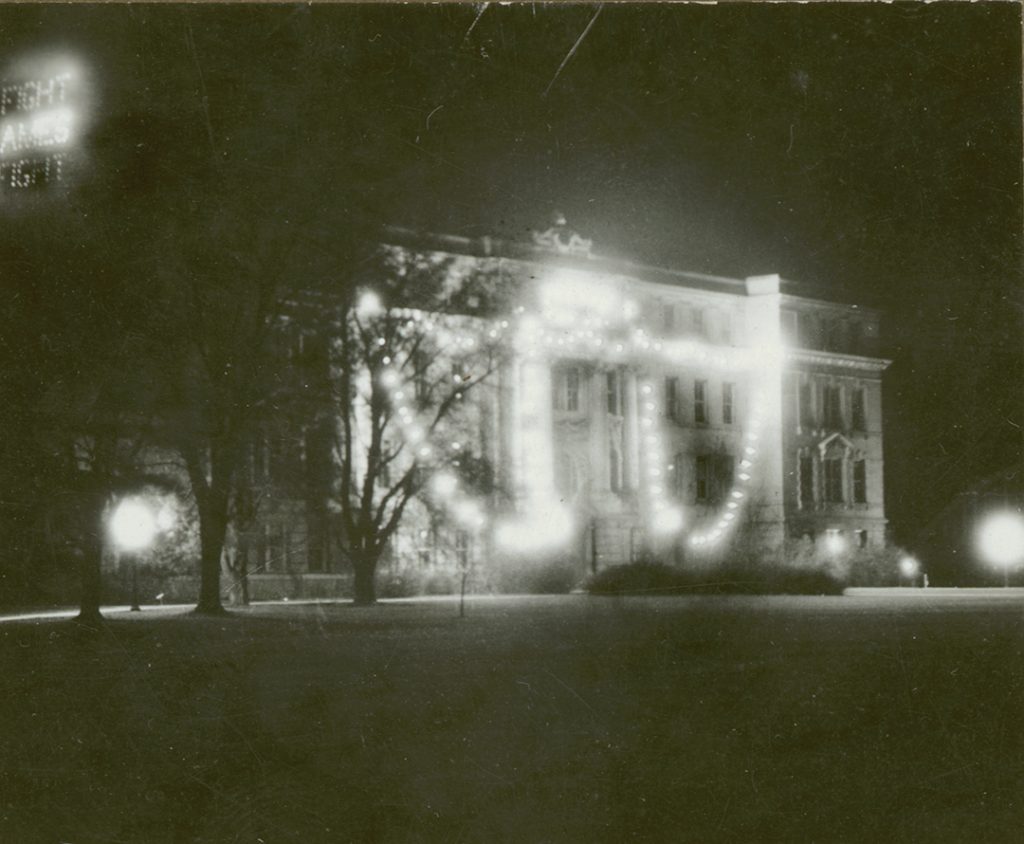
<point x="835" y="444"/>
<point x="561" y="239"/>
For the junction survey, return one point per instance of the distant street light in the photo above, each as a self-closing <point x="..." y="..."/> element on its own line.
<point x="133" y="528"/>
<point x="909" y="568"/>
<point x="1001" y="541"/>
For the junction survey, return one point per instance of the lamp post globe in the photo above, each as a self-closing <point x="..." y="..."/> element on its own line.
<point x="133" y="528"/>
<point x="1001" y="540"/>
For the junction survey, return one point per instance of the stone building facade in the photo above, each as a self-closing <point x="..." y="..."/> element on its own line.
<point x="645" y="412"/>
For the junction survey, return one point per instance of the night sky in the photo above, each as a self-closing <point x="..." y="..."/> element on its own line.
<point x="871" y="150"/>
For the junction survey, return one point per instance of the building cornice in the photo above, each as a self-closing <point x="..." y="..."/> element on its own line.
<point x="838" y="360"/>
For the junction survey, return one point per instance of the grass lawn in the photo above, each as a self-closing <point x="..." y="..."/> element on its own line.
<point x="546" y="719"/>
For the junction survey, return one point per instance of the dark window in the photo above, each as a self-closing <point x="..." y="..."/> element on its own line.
<point x="806" y="480"/>
<point x="636" y="544"/>
<point x="703" y="474"/>
<point x="862" y="538"/>
<point x="614" y="394"/>
<point x="725" y="469"/>
<point x="678" y="474"/>
<point x="700" y="406"/>
<point x="860" y="482"/>
<point x="806" y="405"/>
<point x="698" y="321"/>
<point x="834" y="480"/>
<point x="859" y="416"/>
<point x="728" y="397"/>
<point x="614" y="469"/>
<point x="420" y="364"/>
<point x="668" y="316"/>
<point x="832" y="399"/>
<point x="672" y="398"/>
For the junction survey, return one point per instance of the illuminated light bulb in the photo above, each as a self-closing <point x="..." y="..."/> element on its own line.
<point x="492" y="333"/>
<point x="737" y="494"/>
<point x="732" y="505"/>
<point x="389" y="378"/>
<point x="425" y="451"/>
<point x="399" y="395"/>
<point x="458" y="396"/>
<point x="415" y="434"/>
<point x="504" y="323"/>
<point x="744" y="476"/>
<point x="729" y="516"/>
<point x="381" y="341"/>
<point x="369" y="304"/>
<point x="457" y="378"/>
<point x="456" y="446"/>
<point x="649" y="405"/>
<point x="745" y="464"/>
<point x="470" y="342"/>
<point x="646" y="389"/>
<point x="749" y="450"/>
<point x="385" y="360"/>
<point x="618" y="347"/>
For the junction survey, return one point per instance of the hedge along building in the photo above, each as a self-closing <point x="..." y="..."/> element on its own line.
<point x="634" y="411"/>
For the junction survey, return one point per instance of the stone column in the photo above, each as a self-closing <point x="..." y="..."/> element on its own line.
<point x="632" y="430"/>
<point x="764" y="342"/>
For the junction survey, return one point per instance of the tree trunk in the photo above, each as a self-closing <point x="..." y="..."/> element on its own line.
<point x="212" y="527"/>
<point x="365" y="585"/>
<point x="91" y="567"/>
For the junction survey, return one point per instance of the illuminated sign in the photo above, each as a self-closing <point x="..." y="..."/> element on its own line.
<point x="37" y="127"/>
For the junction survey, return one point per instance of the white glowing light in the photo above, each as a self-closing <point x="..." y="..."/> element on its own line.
<point x="132" y="525"/>
<point x="909" y="566"/>
<point x="744" y="476"/>
<point x="425" y="451"/>
<point x="369" y="304"/>
<point x="165" y="518"/>
<point x="389" y="378"/>
<point x="834" y="543"/>
<point x="750" y="451"/>
<point x="1000" y="538"/>
<point x="414" y="434"/>
<point x="456" y="446"/>
<point x="737" y="494"/>
<point x="732" y="505"/>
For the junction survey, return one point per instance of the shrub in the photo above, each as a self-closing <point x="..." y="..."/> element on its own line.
<point x="653" y="578"/>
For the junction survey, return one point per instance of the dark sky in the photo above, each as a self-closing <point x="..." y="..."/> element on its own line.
<point x="874" y="150"/>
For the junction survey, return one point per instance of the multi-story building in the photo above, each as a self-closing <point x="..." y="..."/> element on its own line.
<point x="645" y="411"/>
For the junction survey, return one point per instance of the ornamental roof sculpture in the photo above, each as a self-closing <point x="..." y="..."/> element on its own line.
<point x="563" y="240"/>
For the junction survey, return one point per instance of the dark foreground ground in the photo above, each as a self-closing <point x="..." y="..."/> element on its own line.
<point x="562" y="719"/>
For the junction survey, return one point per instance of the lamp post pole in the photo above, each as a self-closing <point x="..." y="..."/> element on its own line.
<point x="135" y="583"/>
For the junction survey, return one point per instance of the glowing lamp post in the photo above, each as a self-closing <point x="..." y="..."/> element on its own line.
<point x="909" y="568"/>
<point x="1000" y="540"/>
<point x="133" y="528"/>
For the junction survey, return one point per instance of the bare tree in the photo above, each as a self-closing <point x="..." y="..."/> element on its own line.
<point x="411" y="348"/>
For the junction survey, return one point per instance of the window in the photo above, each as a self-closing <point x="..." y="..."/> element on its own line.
<point x="859" y="416"/>
<point x="700" y="407"/>
<point x="697" y="317"/>
<point x="834" y="480"/>
<point x="728" y="397"/>
<point x="832" y="399"/>
<point x="566" y="386"/>
<point x="668" y="316"/>
<point x="862" y="538"/>
<point x="860" y="482"/>
<point x="806" y="480"/>
<point x="679" y="475"/>
<point x="614" y="469"/>
<point x="672" y="398"/>
<point x="727" y="331"/>
<point x="806" y="405"/>
<point x="725" y="472"/>
<point x="614" y="393"/>
<point x="809" y="336"/>
<point x="277" y="548"/>
<point x="703" y="478"/>
<point x="420" y="383"/>
<point x="636" y="544"/>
